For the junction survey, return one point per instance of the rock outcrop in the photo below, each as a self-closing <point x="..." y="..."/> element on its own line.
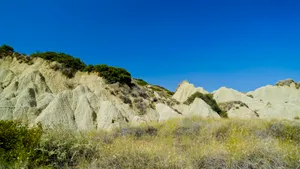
<point x="37" y="93"/>
<point x="185" y="89"/>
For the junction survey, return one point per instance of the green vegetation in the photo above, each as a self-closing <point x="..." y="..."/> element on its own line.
<point x="113" y="74"/>
<point x="250" y="95"/>
<point x="161" y="89"/>
<point x="141" y="82"/>
<point x="6" y="50"/>
<point x="69" y="65"/>
<point x="226" y="106"/>
<point x="18" y="142"/>
<point x="178" y="143"/>
<point x="208" y="98"/>
<point x="66" y="60"/>
<point x="109" y="73"/>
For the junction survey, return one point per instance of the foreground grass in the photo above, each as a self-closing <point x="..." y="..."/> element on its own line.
<point x="178" y="143"/>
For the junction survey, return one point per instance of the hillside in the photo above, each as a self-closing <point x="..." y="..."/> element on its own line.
<point x="59" y="90"/>
<point x="58" y="112"/>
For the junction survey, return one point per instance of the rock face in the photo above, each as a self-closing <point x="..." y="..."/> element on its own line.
<point x="37" y="93"/>
<point x="280" y="102"/>
<point x="185" y="89"/>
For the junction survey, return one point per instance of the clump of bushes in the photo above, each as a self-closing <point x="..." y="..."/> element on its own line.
<point x="60" y="148"/>
<point x="65" y="59"/>
<point x="6" y="50"/>
<point x="69" y="65"/>
<point x="112" y="74"/>
<point x="141" y="82"/>
<point x="18" y="142"/>
<point x="208" y="98"/>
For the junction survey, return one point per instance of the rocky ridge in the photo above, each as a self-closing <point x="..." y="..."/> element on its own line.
<point x="36" y="92"/>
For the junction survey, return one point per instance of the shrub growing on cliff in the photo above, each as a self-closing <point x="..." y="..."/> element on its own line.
<point x="208" y="98"/>
<point x="65" y="59"/>
<point x="141" y="82"/>
<point x="69" y="64"/>
<point x="5" y="49"/>
<point x="113" y="74"/>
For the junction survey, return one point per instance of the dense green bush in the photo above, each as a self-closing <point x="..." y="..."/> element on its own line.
<point x="69" y="65"/>
<point x="89" y="68"/>
<point x="18" y="142"/>
<point x="110" y="74"/>
<point x="65" y="59"/>
<point x="5" y="49"/>
<point x="208" y="98"/>
<point x="113" y="74"/>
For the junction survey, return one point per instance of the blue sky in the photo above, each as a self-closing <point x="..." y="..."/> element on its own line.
<point x="242" y="44"/>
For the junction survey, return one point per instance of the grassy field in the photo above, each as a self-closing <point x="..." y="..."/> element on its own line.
<point x="178" y="143"/>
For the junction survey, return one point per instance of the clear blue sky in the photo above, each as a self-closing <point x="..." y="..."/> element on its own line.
<point x="241" y="44"/>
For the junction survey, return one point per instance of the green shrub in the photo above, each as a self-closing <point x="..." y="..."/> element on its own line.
<point x="18" y="142"/>
<point x="113" y="74"/>
<point x="70" y="65"/>
<point x="141" y="82"/>
<point x="60" y="148"/>
<point x="6" y="50"/>
<point x="208" y="98"/>
<point x="89" y="68"/>
<point x="65" y="59"/>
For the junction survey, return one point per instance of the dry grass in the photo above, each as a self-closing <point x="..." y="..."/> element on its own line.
<point x="180" y="143"/>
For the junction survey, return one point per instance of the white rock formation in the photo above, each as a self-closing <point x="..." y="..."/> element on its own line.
<point x="166" y="112"/>
<point x="37" y="93"/>
<point x="185" y="89"/>
<point x="197" y="108"/>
